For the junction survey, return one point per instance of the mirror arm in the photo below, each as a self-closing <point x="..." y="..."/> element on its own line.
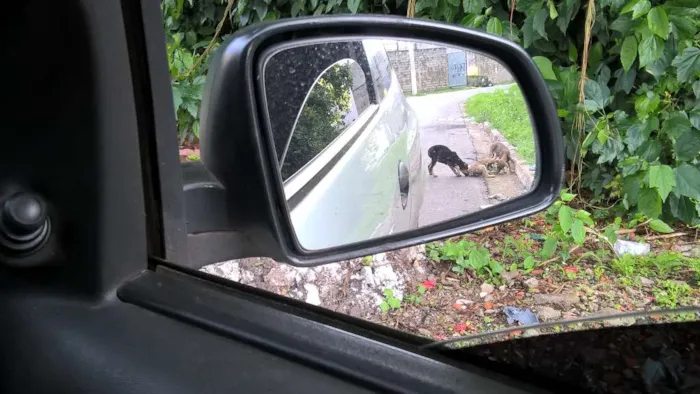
<point x="211" y="234"/>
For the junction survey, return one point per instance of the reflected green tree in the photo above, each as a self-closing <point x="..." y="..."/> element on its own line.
<point x="321" y="118"/>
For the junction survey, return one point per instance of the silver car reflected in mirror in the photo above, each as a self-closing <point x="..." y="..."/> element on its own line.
<point x="376" y="136"/>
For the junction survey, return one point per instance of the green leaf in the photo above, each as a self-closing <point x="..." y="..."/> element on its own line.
<point x="528" y="32"/>
<point x="660" y="226"/>
<point x="659" y="67"/>
<point x="629" y="6"/>
<point x="601" y="130"/>
<point x="630" y="190"/>
<point x="494" y="27"/>
<point x="567" y="197"/>
<point x="595" y="57"/>
<point x="565" y="218"/>
<point x="449" y="13"/>
<point x="578" y="232"/>
<point x="573" y="52"/>
<point x="696" y="90"/>
<point x="622" y="24"/>
<point x="610" y="151"/>
<point x="650" y="150"/>
<point x="603" y="75"/>
<point x="683" y="208"/>
<point x="553" y="14"/>
<point x="177" y="98"/>
<point x="630" y="165"/>
<point x="473" y="6"/>
<point x="661" y="177"/>
<point x="298" y="6"/>
<point x="640" y="9"/>
<point x="354" y="5"/>
<point x="636" y="135"/>
<point x="567" y="11"/>
<point x="687" y="146"/>
<point x="192" y="108"/>
<point x="694" y="116"/>
<point x="658" y="22"/>
<point x="539" y="21"/>
<point x="597" y="93"/>
<point x="495" y="266"/>
<point x="687" y="64"/>
<point x="682" y="27"/>
<point x="545" y="67"/>
<point x="687" y="183"/>
<point x="384" y="306"/>
<point x="647" y="104"/>
<point x="651" y="48"/>
<point x="649" y="202"/>
<point x="478" y="21"/>
<point x="625" y="80"/>
<point x="588" y="141"/>
<point x="394" y="303"/>
<point x="676" y="124"/>
<point x="529" y="262"/>
<point x="628" y="52"/>
<point x="261" y="9"/>
<point x="549" y="247"/>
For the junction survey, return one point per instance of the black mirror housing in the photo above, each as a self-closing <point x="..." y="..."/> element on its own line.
<point x="237" y="148"/>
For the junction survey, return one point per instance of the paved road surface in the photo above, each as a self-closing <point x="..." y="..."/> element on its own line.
<point x="442" y="122"/>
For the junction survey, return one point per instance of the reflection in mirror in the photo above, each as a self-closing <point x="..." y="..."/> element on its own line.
<point x="379" y="136"/>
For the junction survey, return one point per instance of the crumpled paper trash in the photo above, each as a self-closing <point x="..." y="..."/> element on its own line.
<point x="629" y="247"/>
<point x="522" y="316"/>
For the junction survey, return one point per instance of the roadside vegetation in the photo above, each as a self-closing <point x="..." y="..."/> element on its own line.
<point x="561" y="264"/>
<point x="443" y="90"/>
<point x="506" y="111"/>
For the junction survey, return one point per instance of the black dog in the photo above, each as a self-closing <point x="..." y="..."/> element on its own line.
<point x="444" y="155"/>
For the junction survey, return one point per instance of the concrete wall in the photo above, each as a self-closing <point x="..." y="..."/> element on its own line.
<point x="401" y="63"/>
<point x="431" y="69"/>
<point x="432" y="66"/>
<point x="494" y="70"/>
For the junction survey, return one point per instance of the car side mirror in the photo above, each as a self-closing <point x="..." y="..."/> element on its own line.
<point x="331" y="138"/>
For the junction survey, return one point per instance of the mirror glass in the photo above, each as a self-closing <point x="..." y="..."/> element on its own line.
<point x="378" y="136"/>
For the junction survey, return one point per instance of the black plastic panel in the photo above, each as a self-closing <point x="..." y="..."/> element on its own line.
<point x="283" y="326"/>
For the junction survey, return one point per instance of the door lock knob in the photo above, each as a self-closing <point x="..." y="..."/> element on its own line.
<point x="24" y="223"/>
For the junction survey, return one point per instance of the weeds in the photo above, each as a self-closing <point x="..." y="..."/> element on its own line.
<point x="422" y="288"/>
<point x="662" y="265"/>
<point x="573" y="235"/>
<point x="672" y="294"/>
<point x="390" y="302"/>
<point x="193" y="157"/>
<point x="467" y="255"/>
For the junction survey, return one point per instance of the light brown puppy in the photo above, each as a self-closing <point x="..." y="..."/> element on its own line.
<point x="500" y="151"/>
<point x="478" y="169"/>
<point x="495" y="166"/>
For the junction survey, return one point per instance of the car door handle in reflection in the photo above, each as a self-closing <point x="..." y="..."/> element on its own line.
<point x="403" y="184"/>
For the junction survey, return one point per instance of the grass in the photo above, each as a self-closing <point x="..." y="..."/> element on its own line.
<point x="505" y="109"/>
<point x="443" y="90"/>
